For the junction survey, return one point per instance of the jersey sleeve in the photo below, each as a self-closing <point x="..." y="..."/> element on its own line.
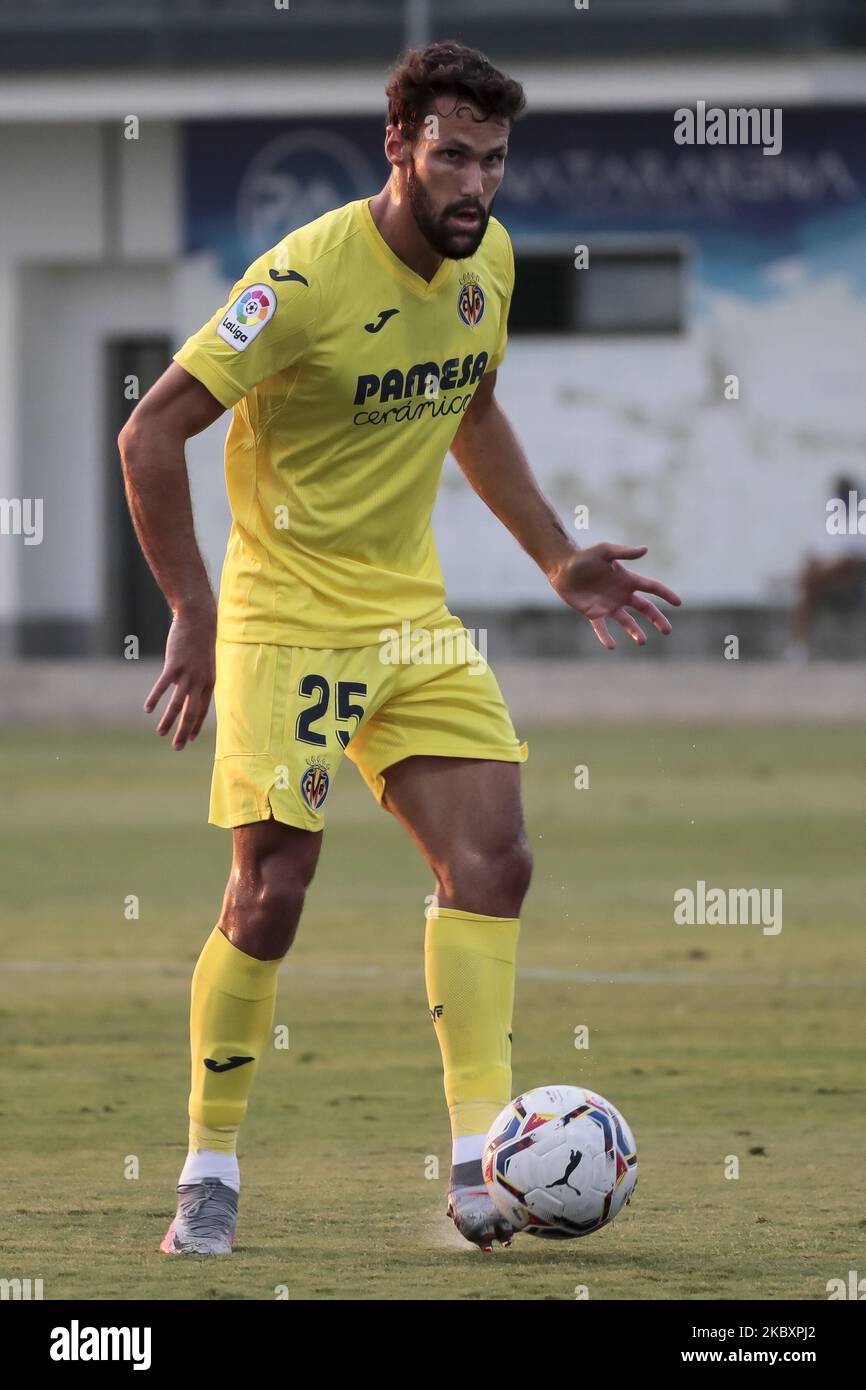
<point x="265" y="326"/>
<point x="499" y="352"/>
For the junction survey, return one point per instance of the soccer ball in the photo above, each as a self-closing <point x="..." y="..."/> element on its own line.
<point x="560" y="1161"/>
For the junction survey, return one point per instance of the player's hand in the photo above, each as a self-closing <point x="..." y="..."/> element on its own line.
<point x="595" y="583"/>
<point x="190" y="666"/>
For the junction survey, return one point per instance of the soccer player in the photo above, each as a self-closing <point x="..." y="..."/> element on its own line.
<point x="354" y="354"/>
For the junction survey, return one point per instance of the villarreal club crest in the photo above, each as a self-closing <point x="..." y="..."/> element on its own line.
<point x="315" y="783"/>
<point x="470" y="303"/>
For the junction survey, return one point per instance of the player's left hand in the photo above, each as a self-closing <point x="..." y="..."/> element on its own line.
<point x="594" y="583"/>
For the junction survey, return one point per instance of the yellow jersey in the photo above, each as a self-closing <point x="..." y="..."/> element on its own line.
<point x="349" y="375"/>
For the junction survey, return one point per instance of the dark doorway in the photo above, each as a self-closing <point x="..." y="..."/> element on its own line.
<point x="634" y="286"/>
<point x="134" y="605"/>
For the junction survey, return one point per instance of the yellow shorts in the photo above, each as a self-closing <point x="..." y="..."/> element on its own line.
<point x="286" y="716"/>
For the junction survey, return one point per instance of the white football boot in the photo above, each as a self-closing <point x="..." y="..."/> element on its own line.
<point x="472" y="1210"/>
<point x="207" y="1215"/>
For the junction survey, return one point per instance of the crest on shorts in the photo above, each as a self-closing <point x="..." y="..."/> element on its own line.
<point x="315" y="783"/>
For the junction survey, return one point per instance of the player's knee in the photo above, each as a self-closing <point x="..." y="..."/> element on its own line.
<point x="280" y="899"/>
<point x="489" y="879"/>
<point x="264" y="909"/>
<point x="516" y="869"/>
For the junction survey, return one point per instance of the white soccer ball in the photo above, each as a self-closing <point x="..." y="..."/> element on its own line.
<point x="560" y="1161"/>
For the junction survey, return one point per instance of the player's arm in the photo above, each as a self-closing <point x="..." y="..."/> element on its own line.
<point x="592" y="581"/>
<point x="152" y="453"/>
<point x="265" y="326"/>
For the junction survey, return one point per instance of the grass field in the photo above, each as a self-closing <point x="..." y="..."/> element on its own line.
<point x="714" y="1041"/>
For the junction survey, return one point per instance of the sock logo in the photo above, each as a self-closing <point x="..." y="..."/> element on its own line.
<point x="437" y="1011"/>
<point x="226" y="1066"/>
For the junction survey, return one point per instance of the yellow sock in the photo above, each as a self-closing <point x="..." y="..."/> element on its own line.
<point x="469" y="964"/>
<point x="231" y="1013"/>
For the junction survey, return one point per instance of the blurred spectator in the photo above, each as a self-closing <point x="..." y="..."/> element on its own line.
<point x="835" y="576"/>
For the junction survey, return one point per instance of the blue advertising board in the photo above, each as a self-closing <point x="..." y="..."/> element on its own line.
<point x="569" y="175"/>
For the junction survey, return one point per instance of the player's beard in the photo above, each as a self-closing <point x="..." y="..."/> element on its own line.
<point x="447" y="241"/>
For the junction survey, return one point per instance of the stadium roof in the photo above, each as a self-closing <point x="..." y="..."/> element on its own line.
<point x="52" y="35"/>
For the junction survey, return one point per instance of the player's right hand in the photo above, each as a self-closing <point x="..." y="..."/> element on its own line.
<point x="190" y="666"/>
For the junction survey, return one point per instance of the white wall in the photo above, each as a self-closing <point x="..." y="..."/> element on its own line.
<point x="63" y="445"/>
<point x="728" y="494"/>
<point x="89" y="235"/>
<point x="51" y="206"/>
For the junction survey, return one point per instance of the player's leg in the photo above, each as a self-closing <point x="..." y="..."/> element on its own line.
<point x="232" y="1007"/>
<point x="465" y="816"/>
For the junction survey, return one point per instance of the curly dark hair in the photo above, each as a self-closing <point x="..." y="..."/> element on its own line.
<point x="448" y="68"/>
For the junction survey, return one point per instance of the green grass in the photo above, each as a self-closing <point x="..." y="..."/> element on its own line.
<point x="723" y="1041"/>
